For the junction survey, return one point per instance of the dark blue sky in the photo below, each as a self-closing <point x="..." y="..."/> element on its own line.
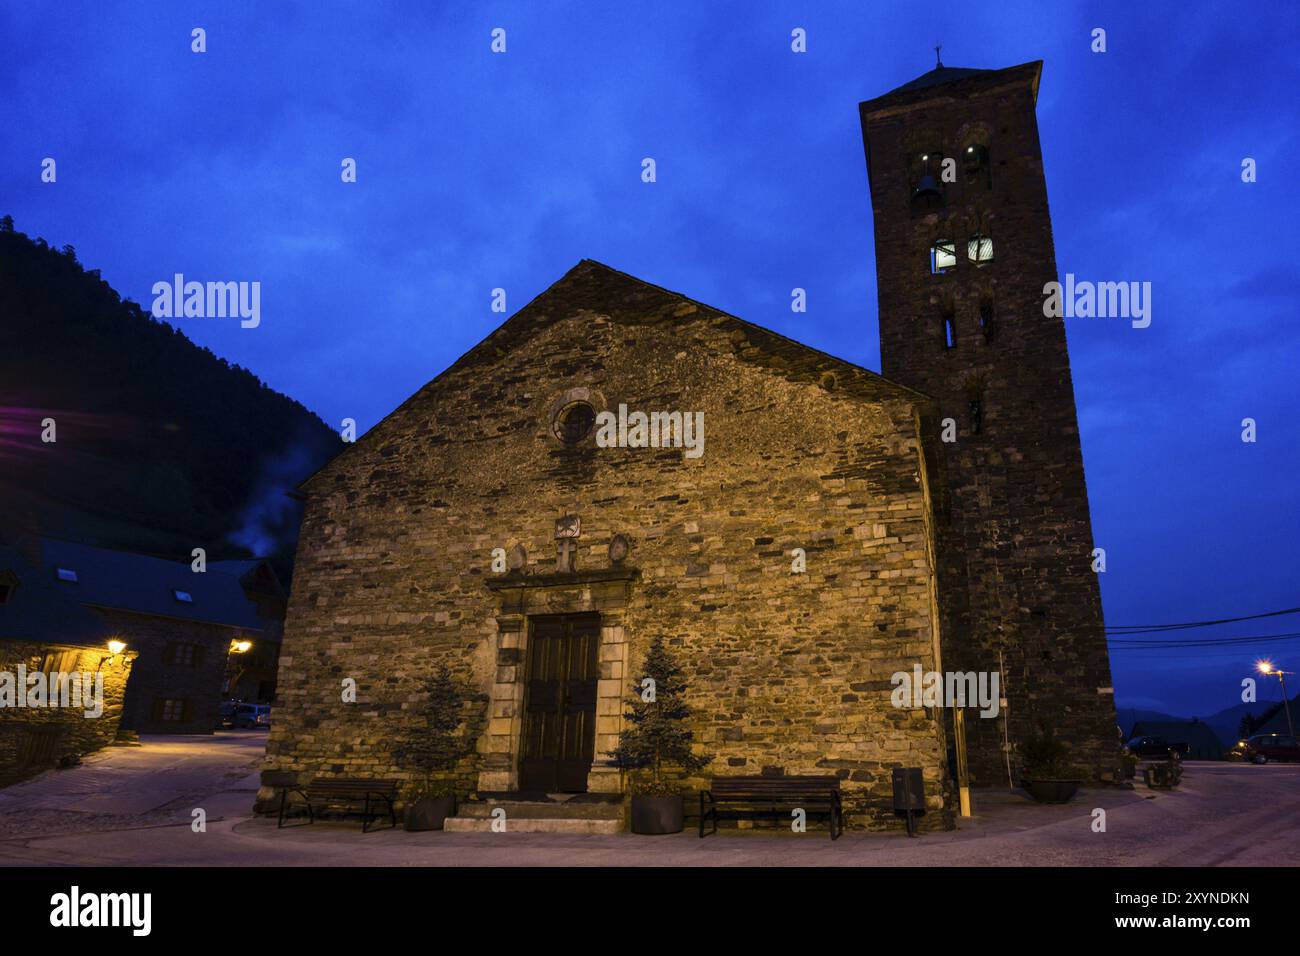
<point x="478" y="170"/>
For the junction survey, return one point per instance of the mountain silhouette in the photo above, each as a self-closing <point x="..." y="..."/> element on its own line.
<point x="159" y="444"/>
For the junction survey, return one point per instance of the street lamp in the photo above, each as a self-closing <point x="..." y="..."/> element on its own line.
<point x="237" y="646"/>
<point x="1266" y="667"/>
<point x="115" y="647"/>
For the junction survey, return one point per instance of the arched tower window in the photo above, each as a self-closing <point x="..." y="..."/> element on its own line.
<point x="979" y="249"/>
<point x="943" y="256"/>
<point x="987" y="319"/>
<point x="975" y="167"/>
<point x="948" y="321"/>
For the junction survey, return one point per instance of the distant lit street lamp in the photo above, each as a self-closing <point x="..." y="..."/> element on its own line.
<point x="1266" y="667"/>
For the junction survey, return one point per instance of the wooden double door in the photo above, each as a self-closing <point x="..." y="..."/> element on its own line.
<point x="559" y="726"/>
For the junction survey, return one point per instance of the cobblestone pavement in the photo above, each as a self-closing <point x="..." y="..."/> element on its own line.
<point x="133" y="806"/>
<point x="122" y="788"/>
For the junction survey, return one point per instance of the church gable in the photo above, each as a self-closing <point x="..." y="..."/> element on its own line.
<point x="604" y="303"/>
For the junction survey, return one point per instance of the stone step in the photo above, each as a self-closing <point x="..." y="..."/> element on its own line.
<point x="542" y="810"/>
<point x="534" y="825"/>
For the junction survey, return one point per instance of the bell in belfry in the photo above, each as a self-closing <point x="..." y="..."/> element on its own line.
<point x="927" y="192"/>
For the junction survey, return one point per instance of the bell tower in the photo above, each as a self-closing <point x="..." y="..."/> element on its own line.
<point x="963" y="249"/>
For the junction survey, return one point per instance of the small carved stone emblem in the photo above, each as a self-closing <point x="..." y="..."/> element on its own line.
<point x="516" y="558"/>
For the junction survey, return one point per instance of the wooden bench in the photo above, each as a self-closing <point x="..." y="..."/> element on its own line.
<point x="345" y="792"/>
<point x="775" y="795"/>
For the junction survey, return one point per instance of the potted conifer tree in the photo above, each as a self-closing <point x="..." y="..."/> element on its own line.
<point x="1048" y="776"/>
<point x="655" y="740"/>
<point x="432" y="746"/>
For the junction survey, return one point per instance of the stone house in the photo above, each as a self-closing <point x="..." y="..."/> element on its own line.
<point x="250" y="676"/>
<point x="43" y="633"/>
<point x="618" y="462"/>
<point x="181" y="623"/>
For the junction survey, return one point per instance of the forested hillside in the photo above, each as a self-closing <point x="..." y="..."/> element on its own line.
<point x="161" y="445"/>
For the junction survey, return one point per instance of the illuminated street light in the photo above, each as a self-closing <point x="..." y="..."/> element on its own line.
<point x="1266" y="667"/>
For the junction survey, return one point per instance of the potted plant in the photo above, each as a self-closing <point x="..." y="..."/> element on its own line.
<point x="657" y="738"/>
<point x="1127" y="766"/>
<point x="1047" y="775"/>
<point x="1166" y="774"/>
<point x="432" y="746"/>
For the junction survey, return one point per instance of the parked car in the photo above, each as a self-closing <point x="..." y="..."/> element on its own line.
<point x="1156" y="748"/>
<point x="251" y="716"/>
<point x="226" y="714"/>
<point x="1265" y="747"/>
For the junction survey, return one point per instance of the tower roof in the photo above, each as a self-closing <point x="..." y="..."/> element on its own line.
<point x="940" y="74"/>
<point x="963" y="80"/>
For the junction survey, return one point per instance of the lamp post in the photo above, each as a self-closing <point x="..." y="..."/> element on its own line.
<point x="1266" y="667"/>
<point x="237" y="646"/>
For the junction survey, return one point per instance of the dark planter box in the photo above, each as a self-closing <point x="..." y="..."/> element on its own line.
<point x="1052" y="791"/>
<point x="651" y="814"/>
<point x="1163" y="778"/>
<point x="429" y="813"/>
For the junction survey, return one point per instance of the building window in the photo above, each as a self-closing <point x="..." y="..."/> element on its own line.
<point x="949" y="331"/>
<point x="943" y="256"/>
<point x="574" y="422"/>
<point x="182" y="655"/>
<point x="59" y="662"/>
<point x="976" y="408"/>
<point x="171" y="709"/>
<point x="987" y="325"/>
<point x="66" y="574"/>
<point x="979" y="249"/>
<point x="975" y="163"/>
<point x="183" y="596"/>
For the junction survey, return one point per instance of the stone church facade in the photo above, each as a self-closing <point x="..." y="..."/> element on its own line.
<point x="792" y="568"/>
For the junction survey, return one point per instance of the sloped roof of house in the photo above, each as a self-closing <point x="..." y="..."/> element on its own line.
<point x="36" y="610"/>
<point x="1194" y="733"/>
<point x="1277" y="724"/>
<point x="254" y="574"/>
<point x="127" y="581"/>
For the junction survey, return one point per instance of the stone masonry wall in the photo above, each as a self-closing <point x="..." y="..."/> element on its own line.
<point x="784" y="670"/>
<point x="154" y="678"/>
<point x="22" y="730"/>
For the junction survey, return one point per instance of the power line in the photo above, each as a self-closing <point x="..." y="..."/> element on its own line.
<point x="1156" y="628"/>
<point x="1206" y="642"/>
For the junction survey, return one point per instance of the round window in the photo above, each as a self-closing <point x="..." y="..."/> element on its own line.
<point x="574" y="422"/>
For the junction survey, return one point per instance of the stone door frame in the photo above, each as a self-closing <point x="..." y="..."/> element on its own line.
<point x="523" y="596"/>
